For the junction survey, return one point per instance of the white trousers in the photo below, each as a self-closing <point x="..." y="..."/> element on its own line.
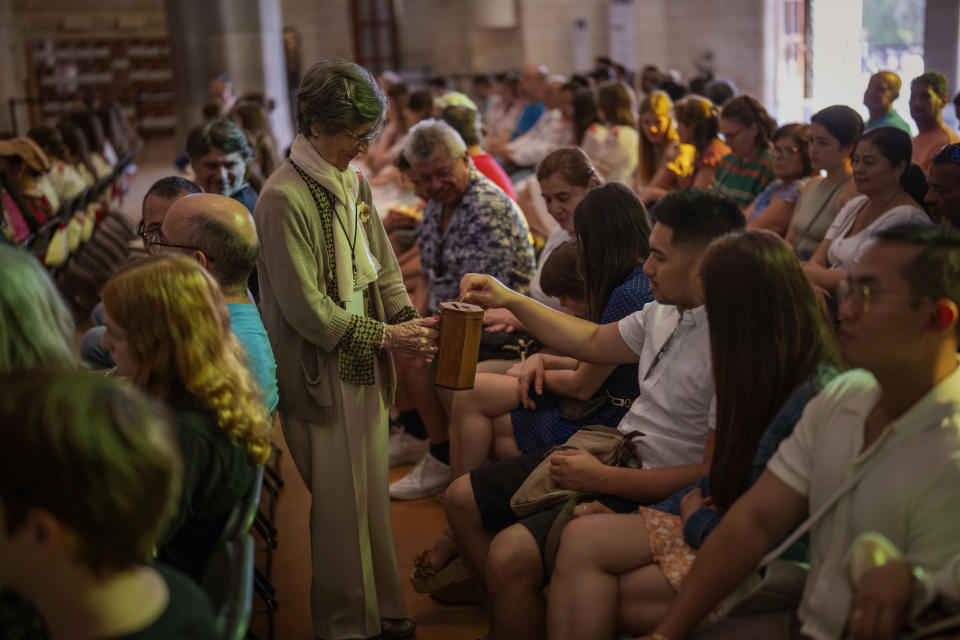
<point x="345" y="466"/>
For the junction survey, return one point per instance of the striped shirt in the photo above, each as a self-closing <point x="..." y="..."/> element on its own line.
<point x="742" y="180"/>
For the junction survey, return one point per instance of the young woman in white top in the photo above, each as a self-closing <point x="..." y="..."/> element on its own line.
<point x="892" y="191"/>
<point x="614" y="146"/>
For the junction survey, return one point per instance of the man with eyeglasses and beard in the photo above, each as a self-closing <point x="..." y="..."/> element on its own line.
<point x="876" y="458"/>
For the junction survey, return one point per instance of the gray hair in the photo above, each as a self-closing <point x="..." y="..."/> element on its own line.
<point x="336" y="95"/>
<point x="427" y="135"/>
<point x="38" y="330"/>
<point x="232" y="258"/>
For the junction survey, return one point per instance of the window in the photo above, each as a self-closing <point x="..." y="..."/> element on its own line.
<point x="375" y="35"/>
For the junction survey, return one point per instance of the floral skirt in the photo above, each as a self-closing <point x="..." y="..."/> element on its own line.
<point x="667" y="547"/>
<point x="671" y="552"/>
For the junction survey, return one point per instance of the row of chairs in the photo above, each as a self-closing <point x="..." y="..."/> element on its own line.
<point x="231" y="578"/>
<point x="86" y="241"/>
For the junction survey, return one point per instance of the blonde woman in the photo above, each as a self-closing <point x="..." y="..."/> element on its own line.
<point x="664" y="160"/>
<point x="168" y="330"/>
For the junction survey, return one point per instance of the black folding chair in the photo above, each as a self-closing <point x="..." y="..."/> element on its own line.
<point x="228" y="580"/>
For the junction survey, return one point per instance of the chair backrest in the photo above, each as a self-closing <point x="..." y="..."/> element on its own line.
<point x="228" y="581"/>
<point x="241" y="519"/>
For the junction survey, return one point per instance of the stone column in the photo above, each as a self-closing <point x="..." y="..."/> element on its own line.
<point x="941" y="49"/>
<point x="11" y="71"/>
<point x="241" y="38"/>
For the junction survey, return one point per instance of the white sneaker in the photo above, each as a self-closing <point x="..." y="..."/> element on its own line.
<point x="427" y="478"/>
<point x="405" y="449"/>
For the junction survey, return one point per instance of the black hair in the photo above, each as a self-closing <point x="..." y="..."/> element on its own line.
<point x="483" y="79"/>
<point x="170" y="187"/>
<point x="697" y="216"/>
<point x="50" y="140"/>
<point x="439" y="82"/>
<point x="719" y="90"/>
<point x="673" y="89"/>
<point x="947" y="155"/>
<point x="421" y="102"/>
<point x="76" y="143"/>
<point x="560" y="275"/>
<point x="895" y="145"/>
<point x="935" y="271"/>
<point x="222" y="134"/>
<point x="584" y="113"/>
<point x="842" y="122"/>
<point x="612" y="227"/>
<point x="90" y="124"/>
<point x="746" y="275"/>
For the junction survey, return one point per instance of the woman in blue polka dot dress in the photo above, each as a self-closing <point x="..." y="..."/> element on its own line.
<point x="498" y="418"/>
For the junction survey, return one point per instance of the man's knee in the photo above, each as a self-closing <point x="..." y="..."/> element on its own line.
<point x="514" y="559"/>
<point x="460" y="503"/>
<point x="579" y="539"/>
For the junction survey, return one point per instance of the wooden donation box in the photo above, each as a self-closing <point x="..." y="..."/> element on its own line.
<point x="461" y="326"/>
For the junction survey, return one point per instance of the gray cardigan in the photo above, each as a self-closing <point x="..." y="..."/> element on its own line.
<point x="304" y="324"/>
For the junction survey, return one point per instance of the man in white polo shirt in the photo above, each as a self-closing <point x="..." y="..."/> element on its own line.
<point x="896" y="420"/>
<point x="671" y="422"/>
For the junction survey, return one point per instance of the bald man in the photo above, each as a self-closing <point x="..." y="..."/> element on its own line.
<point x="218" y="232"/>
<point x="882" y="91"/>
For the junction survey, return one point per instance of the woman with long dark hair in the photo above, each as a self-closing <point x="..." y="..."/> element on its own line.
<point x="500" y="416"/>
<point x="619" y="571"/>
<point x="892" y="189"/>
<point x="503" y="415"/>
<point x="834" y="132"/>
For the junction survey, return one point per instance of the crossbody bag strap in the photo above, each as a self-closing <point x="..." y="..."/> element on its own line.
<point x="831" y="502"/>
<point x="823" y="206"/>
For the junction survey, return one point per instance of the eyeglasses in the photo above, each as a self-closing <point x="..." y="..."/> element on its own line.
<point x="861" y="295"/>
<point x="150" y="236"/>
<point x="366" y="138"/>
<point x="160" y="243"/>
<point x="784" y="152"/>
<point x="155" y="239"/>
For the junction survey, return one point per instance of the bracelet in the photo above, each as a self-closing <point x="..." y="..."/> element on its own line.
<point x="383" y="334"/>
<point x="658" y="636"/>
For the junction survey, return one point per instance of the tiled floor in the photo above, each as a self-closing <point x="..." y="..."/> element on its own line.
<point x="415" y="524"/>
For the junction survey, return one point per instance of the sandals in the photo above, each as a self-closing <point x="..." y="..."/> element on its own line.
<point x="426" y="579"/>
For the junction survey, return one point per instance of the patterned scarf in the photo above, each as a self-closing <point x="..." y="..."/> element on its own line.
<point x="355" y="355"/>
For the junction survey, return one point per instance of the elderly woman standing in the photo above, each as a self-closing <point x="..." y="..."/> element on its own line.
<point x="334" y="306"/>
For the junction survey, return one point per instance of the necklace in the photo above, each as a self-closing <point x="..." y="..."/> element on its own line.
<point x="352" y="244"/>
